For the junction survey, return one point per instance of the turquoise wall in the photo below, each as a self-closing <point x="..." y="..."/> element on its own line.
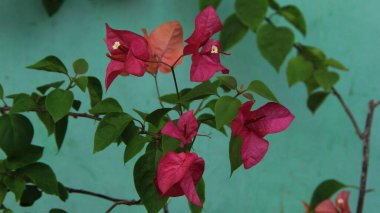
<point x="313" y="149"/>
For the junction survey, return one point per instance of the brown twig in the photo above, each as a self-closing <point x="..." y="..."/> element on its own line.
<point x="166" y="207"/>
<point x="128" y="203"/>
<point x="105" y="197"/>
<point x="72" y="114"/>
<point x="365" y="138"/>
<point x="349" y="113"/>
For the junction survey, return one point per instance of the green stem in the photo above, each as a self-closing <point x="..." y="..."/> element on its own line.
<point x="176" y="89"/>
<point x="158" y="91"/>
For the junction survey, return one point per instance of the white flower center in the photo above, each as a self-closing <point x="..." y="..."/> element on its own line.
<point x="214" y="49"/>
<point x="340" y="201"/>
<point x="116" y="45"/>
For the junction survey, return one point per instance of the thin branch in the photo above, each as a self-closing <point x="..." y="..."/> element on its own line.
<point x="199" y="108"/>
<point x="105" y="197"/>
<point x="177" y="91"/>
<point x="166" y="207"/>
<point x="117" y="203"/>
<point x="158" y="91"/>
<point x="72" y="114"/>
<point x="367" y="133"/>
<point x="349" y="113"/>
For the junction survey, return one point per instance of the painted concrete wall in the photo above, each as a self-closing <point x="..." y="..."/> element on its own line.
<point x="313" y="149"/>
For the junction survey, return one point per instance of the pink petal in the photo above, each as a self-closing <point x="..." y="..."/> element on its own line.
<point x="151" y="67"/>
<point x="326" y="207"/>
<point x="188" y="187"/>
<point x="270" y="118"/>
<point x="171" y="169"/>
<point x="189" y="182"/>
<point x="253" y="149"/>
<point x="207" y="23"/>
<point x="342" y="201"/>
<point x="204" y="67"/>
<point x="114" y="68"/>
<point x="188" y="125"/>
<point x="238" y="124"/>
<point x="171" y="130"/>
<point x="134" y="66"/>
<point x="167" y="43"/>
<point x="124" y="37"/>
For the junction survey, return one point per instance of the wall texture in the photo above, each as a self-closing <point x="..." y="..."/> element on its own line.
<point x="314" y="148"/>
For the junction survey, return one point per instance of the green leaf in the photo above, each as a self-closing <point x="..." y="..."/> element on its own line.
<point x="326" y="79"/>
<point x="81" y="82"/>
<point x="298" y="69"/>
<point x="52" y="6"/>
<point x="228" y="81"/>
<point x="76" y="104"/>
<point x="42" y="175"/>
<point x="294" y="16"/>
<point x="106" y="106"/>
<point x="23" y="102"/>
<point x="51" y="64"/>
<point x="335" y="64"/>
<point x="209" y="120"/>
<point x="275" y="43"/>
<point x="144" y="173"/>
<point x="226" y="109"/>
<point x="63" y="193"/>
<point x="315" y="100"/>
<point x="233" y="31"/>
<point x="313" y="54"/>
<point x="46" y="87"/>
<point x="47" y="120"/>
<point x="58" y="103"/>
<point x="95" y="90"/>
<point x="57" y="211"/>
<point x="1" y="92"/>
<point x="235" y="153"/>
<point x="141" y="114"/>
<point x="274" y="5"/>
<point x="30" y="195"/>
<point x="324" y="191"/>
<point x="16" y="133"/>
<point x="261" y="89"/>
<point x="29" y="155"/>
<point x="60" y="131"/>
<point x="204" y="3"/>
<point x="311" y="84"/>
<point x="134" y="146"/>
<point x="80" y="66"/>
<point x="251" y="12"/>
<point x="109" y="129"/>
<point x="156" y="116"/>
<point x="201" y="91"/>
<point x="200" y="188"/>
<point x="3" y="193"/>
<point x="169" y="144"/>
<point x="15" y="184"/>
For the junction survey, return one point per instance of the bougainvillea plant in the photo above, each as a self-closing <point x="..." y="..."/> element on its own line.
<point x="163" y="139"/>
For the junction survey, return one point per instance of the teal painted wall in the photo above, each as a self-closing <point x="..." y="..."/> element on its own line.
<point x="313" y="149"/>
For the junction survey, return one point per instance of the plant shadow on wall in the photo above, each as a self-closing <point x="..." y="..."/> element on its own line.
<point x="169" y="167"/>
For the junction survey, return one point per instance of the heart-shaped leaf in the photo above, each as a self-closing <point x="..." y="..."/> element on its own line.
<point x="298" y="69"/>
<point x="262" y="89"/>
<point x="58" y="103"/>
<point x="251" y="12"/>
<point x="226" y="109"/>
<point x="294" y="16"/>
<point x="275" y="43"/>
<point x="233" y="31"/>
<point x="326" y="79"/>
